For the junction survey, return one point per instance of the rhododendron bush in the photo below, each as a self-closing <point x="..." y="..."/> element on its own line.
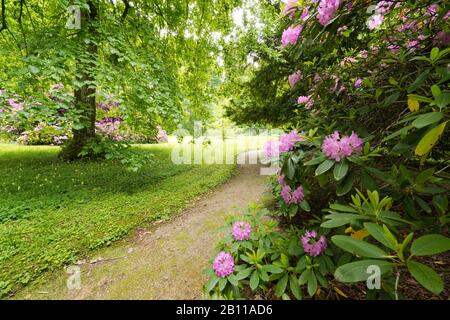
<point x="362" y="90"/>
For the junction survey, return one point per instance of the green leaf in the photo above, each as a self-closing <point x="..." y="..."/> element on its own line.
<point x="222" y="283"/>
<point x="434" y="54"/>
<point x="233" y="280"/>
<point x="295" y="288"/>
<point x="357" y="271"/>
<point x="427" y="119"/>
<point x="443" y="100"/>
<point x="345" y="185"/>
<point x="304" y="276"/>
<point x="312" y="284"/>
<point x="358" y="247"/>
<point x="254" y="280"/>
<point x="430" y="244"/>
<point x="281" y="286"/>
<point x="426" y="276"/>
<point x="420" y="98"/>
<point x="367" y="181"/>
<point x="436" y="91"/>
<point x="425" y="175"/>
<point x="340" y="170"/>
<point x="324" y="167"/>
<point x="342" y="207"/>
<point x="263" y="275"/>
<point x="290" y="169"/>
<point x="399" y="132"/>
<point x="340" y="219"/>
<point x="391" y="99"/>
<point x="244" y="273"/>
<point x="430" y="139"/>
<point x="378" y="234"/>
<point x="315" y="161"/>
<point x="419" y="80"/>
<point x="211" y="283"/>
<point x="305" y="206"/>
<point x="272" y="269"/>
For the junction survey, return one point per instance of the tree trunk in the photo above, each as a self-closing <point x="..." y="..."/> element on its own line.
<point x="85" y="95"/>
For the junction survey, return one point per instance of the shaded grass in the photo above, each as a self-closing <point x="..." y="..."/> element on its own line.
<point x="52" y="212"/>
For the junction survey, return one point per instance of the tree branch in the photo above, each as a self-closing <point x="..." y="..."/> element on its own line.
<point x="4" y="27"/>
<point x="21" y="11"/>
<point x="125" y="11"/>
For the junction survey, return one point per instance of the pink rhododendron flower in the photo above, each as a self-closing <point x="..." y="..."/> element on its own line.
<point x="336" y="83"/>
<point x="162" y="135"/>
<point x="341" y="30"/>
<point x="290" y="35"/>
<point x="432" y="11"/>
<point x="347" y="61"/>
<point x="271" y="149"/>
<point x="394" y="48"/>
<point x="223" y="264"/>
<point x="288" y="140"/>
<point x="15" y="105"/>
<point x="306" y="100"/>
<point x="413" y="44"/>
<point x="305" y="14"/>
<point x="290" y="8"/>
<point x="447" y="15"/>
<point x="408" y="25"/>
<point x="337" y="148"/>
<point x="375" y="21"/>
<point x="280" y="180"/>
<point x="384" y="6"/>
<point x="290" y="197"/>
<point x="326" y="10"/>
<point x="241" y="230"/>
<point x="311" y="245"/>
<point x="442" y="38"/>
<point x="294" y="78"/>
<point x="358" y="83"/>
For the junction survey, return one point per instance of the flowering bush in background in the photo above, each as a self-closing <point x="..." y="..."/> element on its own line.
<point x="365" y="183"/>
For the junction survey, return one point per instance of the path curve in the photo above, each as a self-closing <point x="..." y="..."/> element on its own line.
<point x="167" y="262"/>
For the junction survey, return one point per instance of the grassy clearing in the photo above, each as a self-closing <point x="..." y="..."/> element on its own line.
<point x="52" y="213"/>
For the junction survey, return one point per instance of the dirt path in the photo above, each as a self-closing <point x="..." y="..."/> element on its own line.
<point x="165" y="263"/>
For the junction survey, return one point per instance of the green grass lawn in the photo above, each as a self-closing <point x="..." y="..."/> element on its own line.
<point x="53" y="213"/>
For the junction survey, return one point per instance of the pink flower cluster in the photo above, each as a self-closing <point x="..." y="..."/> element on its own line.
<point x="162" y="135"/>
<point x="290" y="35"/>
<point x="288" y="140"/>
<point x="358" y="83"/>
<point x="292" y="197"/>
<point x="306" y="100"/>
<point x="16" y="106"/>
<point x="109" y="126"/>
<point x="311" y="245"/>
<point x="326" y="10"/>
<point x="294" y="78"/>
<point x="375" y="21"/>
<point x="223" y="264"/>
<point x="290" y="8"/>
<point x="337" y="148"/>
<point x="286" y="143"/>
<point x="272" y="149"/>
<point x="241" y="230"/>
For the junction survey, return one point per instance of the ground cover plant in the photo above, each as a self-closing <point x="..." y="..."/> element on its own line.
<point x="52" y="213"/>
